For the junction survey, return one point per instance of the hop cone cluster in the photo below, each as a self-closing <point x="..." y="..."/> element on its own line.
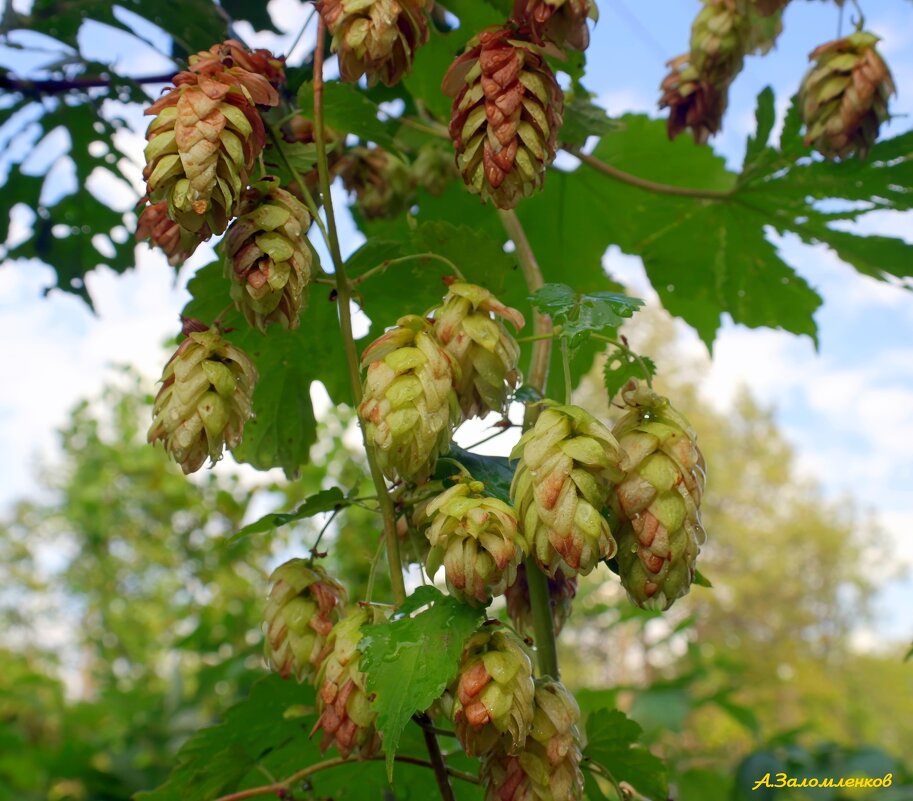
<point x="467" y="325"/>
<point x="563" y="22"/>
<point x="477" y="539"/>
<point x="382" y="184"/>
<point x="207" y="133"/>
<point x="204" y="401"/>
<point x="177" y="243"/>
<point x="507" y="111"/>
<point x="409" y="407"/>
<point x="658" y="499"/>
<point x="375" y="38"/>
<point x="548" y="767"/>
<point x="344" y="708"/>
<point x="304" y="604"/>
<point x="569" y="463"/>
<point x="561" y="593"/>
<point x="844" y="97"/>
<point x="268" y="257"/>
<point x="493" y="693"/>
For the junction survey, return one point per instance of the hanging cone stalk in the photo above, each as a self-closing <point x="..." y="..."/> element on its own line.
<point x="659" y="499"/>
<point x="844" y="97"/>
<point x="561" y="592"/>
<point x="507" y="112"/>
<point x="467" y="325"/>
<point x="569" y="463"/>
<point x="563" y="22"/>
<point x="268" y="256"/>
<point x="304" y="604"/>
<point x="204" y="401"/>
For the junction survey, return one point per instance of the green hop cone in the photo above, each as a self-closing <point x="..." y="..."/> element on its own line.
<point x="719" y="38"/>
<point x="844" y="97"/>
<point x="658" y="500"/>
<point x="345" y="715"/>
<point x="205" y="399"/>
<point x="561" y="593"/>
<point x="569" y="463"/>
<point x="409" y="407"/>
<point x="477" y="539"/>
<point x="493" y="693"/>
<point x="433" y="169"/>
<point x="467" y="325"/>
<point x="548" y="767"/>
<point x="268" y="256"/>
<point x="383" y="184"/>
<point x="304" y="603"/>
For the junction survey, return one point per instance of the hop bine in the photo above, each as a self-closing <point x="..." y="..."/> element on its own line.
<point x="569" y="463"/>
<point x="507" y="111"/>
<point x="563" y="22"/>
<point x="268" y="256"/>
<point x="844" y="97"/>
<point x="409" y="407"/>
<point x="658" y="500"/>
<point x="375" y="38"/>
<point x="493" y="693"/>
<point x="304" y="603"/>
<point x="561" y="593"/>
<point x="344" y="708"/>
<point x="205" y="398"/>
<point x="477" y="539"/>
<point x="467" y="325"/>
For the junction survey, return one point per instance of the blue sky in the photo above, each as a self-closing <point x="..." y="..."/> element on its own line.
<point x="847" y="408"/>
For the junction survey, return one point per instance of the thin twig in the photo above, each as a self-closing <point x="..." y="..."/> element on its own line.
<point x="54" y="86"/>
<point x="309" y="201"/>
<point x="491" y="436"/>
<point x="437" y="761"/>
<point x="384" y="265"/>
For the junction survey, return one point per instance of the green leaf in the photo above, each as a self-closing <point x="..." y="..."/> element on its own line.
<point x="909" y="655"/>
<point x="580" y="313"/>
<point x="583" y="119"/>
<point x="255" y="13"/>
<point x="623" y="365"/>
<point x="329" y="500"/>
<point x="347" y="110"/>
<point x="410" y="659"/>
<point x="611" y="738"/>
<point x="495" y="472"/>
<point x="592" y="788"/>
<point x="700" y="580"/>
<point x="765" y="116"/>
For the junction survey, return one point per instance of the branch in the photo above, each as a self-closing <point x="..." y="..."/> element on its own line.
<point x="437" y="759"/>
<point x="54" y="86"/>
<point x="643" y="183"/>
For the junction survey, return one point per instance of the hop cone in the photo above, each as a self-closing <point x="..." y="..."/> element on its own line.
<point x="177" y="243"/>
<point x="548" y="767"/>
<point x="844" y="97"/>
<point x="561" y="592"/>
<point x="268" y="256"/>
<point x="507" y="111"/>
<point x="433" y="169"/>
<point x="204" y="141"/>
<point x="376" y="38"/>
<point x="467" y="325"/>
<point x="249" y="66"/>
<point x="477" y="539"/>
<point x="343" y="704"/>
<point x="693" y="101"/>
<point x="382" y="184"/>
<point x="304" y="603"/>
<point x="204" y="401"/>
<point x="560" y="21"/>
<point x="493" y="706"/>
<point x="658" y="499"/>
<point x="409" y="407"/>
<point x="568" y="466"/>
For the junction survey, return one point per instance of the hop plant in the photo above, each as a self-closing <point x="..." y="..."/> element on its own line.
<point x="569" y="463"/>
<point x="344" y="708"/>
<point x="383" y="185"/>
<point x="467" y="325"/>
<point x="563" y="22"/>
<point x="205" y="399"/>
<point x="493" y="693"/>
<point x="375" y="38"/>
<point x="177" y="243"/>
<point x="561" y="593"/>
<point x="304" y="604"/>
<point x="204" y="140"/>
<point x="268" y="256"/>
<point x="844" y="97"/>
<point x="433" y="169"/>
<point x="409" y="406"/>
<point x="658" y="500"/>
<point x="548" y="767"/>
<point x="477" y="539"/>
<point x="507" y="111"/>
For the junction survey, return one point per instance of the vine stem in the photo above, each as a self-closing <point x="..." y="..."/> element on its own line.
<point x="344" y="296"/>
<point x="285" y="785"/>
<point x="543" y="628"/>
<point x="384" y="265"/>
